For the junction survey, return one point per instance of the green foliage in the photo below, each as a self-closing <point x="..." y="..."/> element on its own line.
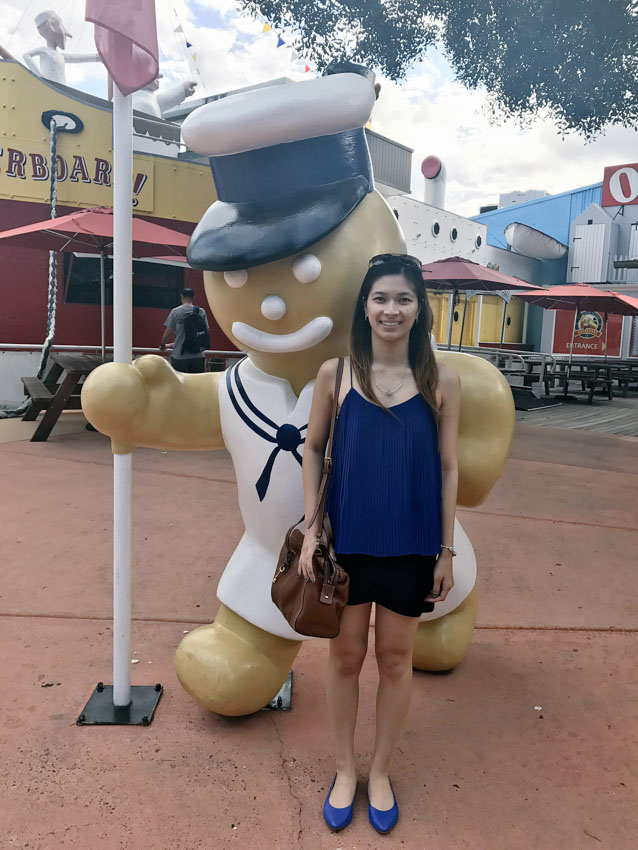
<point x="577" y="59"/>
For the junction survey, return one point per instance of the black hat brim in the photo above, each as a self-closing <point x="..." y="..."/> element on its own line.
<point x="243" y="235"/>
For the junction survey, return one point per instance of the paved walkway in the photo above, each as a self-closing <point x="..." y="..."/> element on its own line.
<point x="531" y="744"/>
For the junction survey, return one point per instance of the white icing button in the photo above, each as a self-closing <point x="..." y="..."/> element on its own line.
<point x="306" y="268"/>
<point x="273" y="307"/>
<point x="236" y="278"/>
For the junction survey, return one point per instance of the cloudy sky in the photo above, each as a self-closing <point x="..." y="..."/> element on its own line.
<point x="428" y="112"/>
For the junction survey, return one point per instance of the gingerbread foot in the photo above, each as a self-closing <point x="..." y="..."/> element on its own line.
<point x="232" y="667"/>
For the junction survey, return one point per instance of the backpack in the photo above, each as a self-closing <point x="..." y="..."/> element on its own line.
<point x="196" y="337"/>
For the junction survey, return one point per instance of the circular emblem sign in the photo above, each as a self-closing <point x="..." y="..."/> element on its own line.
<point x="590" y="326"/>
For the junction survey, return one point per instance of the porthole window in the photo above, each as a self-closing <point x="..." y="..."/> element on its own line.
<point x="436" y="228"/>
<point x="508" y="321"/>
<point x="478" y="241"/>
<point x="453" y="234"/>
<point x="456" y="315"/>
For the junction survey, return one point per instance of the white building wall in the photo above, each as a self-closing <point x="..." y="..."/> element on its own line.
<point x="456" y="237"/>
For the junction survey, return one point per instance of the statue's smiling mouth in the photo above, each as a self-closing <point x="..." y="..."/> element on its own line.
<point x="306" y="337"/>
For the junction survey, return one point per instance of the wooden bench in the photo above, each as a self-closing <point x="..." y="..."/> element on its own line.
<point x="60" y="389"/>
<point x="40" y="396"/>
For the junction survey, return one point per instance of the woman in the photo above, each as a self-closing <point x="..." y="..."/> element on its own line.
<point x="391" y="504"/>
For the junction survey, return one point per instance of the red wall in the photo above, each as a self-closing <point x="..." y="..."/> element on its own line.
<point x="24" y="277"/>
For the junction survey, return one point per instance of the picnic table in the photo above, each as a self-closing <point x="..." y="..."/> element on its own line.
<point x="591" y="374"/>
<point x="58" y="390"/>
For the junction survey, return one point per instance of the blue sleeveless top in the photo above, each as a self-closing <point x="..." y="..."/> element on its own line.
<point x="384" y="494"/>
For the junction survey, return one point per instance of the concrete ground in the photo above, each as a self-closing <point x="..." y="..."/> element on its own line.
<point x="531" y="744"/>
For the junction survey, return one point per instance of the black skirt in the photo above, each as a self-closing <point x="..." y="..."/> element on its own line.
<point x="399" y="582"/>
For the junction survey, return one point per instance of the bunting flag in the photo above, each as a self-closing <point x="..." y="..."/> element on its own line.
<point x="306" y="69"/>
<point x="178" y="29"/>
<point x="188" y="44"/>
<point x="266" y="28"/>
<point x="280" y="41"/>
<point x="294" y="55"/>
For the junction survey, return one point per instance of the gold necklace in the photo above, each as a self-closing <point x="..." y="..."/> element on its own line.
<point x="396" y="389"/>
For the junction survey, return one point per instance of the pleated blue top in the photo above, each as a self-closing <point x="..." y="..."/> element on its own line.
<point x="384" y="494"/>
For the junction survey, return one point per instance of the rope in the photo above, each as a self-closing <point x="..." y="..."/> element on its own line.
<point x="53" y="256"/>
<point x="21" y="409"/>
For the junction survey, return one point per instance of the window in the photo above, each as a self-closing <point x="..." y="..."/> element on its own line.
<point x="478" y="241"/>
<point x="453" y="234"/>
<point x="436" y="228"/>
<point x="154" y="284"/>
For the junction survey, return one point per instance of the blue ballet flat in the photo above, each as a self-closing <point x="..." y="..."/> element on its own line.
<point x="383" y="820"/>
<point x="337" y="818"/>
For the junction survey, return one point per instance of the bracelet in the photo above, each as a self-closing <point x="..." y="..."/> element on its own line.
<point x="449" y="548"/>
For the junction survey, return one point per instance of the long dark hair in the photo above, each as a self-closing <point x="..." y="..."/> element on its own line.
<point x="420" y="354"/>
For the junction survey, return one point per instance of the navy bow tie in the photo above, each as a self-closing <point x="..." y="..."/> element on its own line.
<point x="287" y="437"/>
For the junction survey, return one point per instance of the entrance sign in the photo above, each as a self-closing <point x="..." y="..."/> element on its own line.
<point x="589" y="334"/>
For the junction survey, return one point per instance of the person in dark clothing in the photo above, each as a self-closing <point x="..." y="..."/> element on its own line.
<point x="181" y="360"/>
<point x="391" y="504"/>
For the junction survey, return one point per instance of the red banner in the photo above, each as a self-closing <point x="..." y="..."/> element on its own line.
<point x="126" y="39"/>
<point x="589" y="335"/>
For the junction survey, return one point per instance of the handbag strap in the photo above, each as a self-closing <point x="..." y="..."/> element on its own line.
<point x="327" y="461"/>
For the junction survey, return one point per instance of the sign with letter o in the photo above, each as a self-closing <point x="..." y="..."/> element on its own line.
<point x="620" y="185"/>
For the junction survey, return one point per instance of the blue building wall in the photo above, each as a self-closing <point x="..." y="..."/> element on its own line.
<point x="552" y="215"/>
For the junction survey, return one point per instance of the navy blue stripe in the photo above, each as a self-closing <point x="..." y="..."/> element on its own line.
<point x="241" y="413"/>
<point x="249" y="404"/>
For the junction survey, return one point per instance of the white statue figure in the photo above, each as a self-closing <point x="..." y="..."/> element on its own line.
<point x="154" y="102"/>
<point x="52" y="60"/>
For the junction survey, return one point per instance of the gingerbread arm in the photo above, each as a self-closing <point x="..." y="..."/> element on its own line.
<point x="486" y="425"/>
<point x="149" y="404"/>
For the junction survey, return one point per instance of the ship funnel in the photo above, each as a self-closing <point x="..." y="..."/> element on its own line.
<point x="435" y="176"/>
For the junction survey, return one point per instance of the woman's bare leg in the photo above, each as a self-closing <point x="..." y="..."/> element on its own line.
<point x="394" y="639"/>
<point x="347" y="654"/>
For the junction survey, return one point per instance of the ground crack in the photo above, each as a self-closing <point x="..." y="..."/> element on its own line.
<point x="291" y="787"/>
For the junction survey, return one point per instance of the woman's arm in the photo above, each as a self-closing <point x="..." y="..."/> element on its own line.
<point x="313" y="455"/>
<point x="449" y="407"/>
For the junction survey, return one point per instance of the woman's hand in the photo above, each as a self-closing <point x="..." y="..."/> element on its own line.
<point x="305" y="558"/>
<point x="443" y="578"/>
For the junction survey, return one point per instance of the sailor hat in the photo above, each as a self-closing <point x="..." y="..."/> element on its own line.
<point x="290" y="163"/>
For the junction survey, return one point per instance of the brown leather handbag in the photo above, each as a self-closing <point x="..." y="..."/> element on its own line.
<point x="313" y="609"/>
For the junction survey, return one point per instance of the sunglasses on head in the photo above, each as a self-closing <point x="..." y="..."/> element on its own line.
<point x="401" y="258"/>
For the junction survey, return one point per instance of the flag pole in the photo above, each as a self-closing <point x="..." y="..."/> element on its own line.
<point x="122" y="350"/>
<point x="126" y="39"/>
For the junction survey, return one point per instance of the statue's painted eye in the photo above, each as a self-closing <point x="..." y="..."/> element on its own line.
<point x="273" y="307"/>
<point x="236" y="278"/>
<point x="306" y="268"/>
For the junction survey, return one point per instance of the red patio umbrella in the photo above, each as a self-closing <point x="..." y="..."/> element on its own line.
<point x="91" y="231"/>
<point x="582" y="297"/>
<point x="457" y="274"/>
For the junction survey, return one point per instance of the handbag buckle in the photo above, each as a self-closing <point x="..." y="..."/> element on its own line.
<point x="282" y="569"/>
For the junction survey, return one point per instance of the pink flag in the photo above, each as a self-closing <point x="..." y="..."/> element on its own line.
<point x="126" y="39"/>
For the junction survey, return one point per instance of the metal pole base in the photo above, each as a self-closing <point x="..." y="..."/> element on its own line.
<point x="100" y="711"/>
<point x="282" y="701"/>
